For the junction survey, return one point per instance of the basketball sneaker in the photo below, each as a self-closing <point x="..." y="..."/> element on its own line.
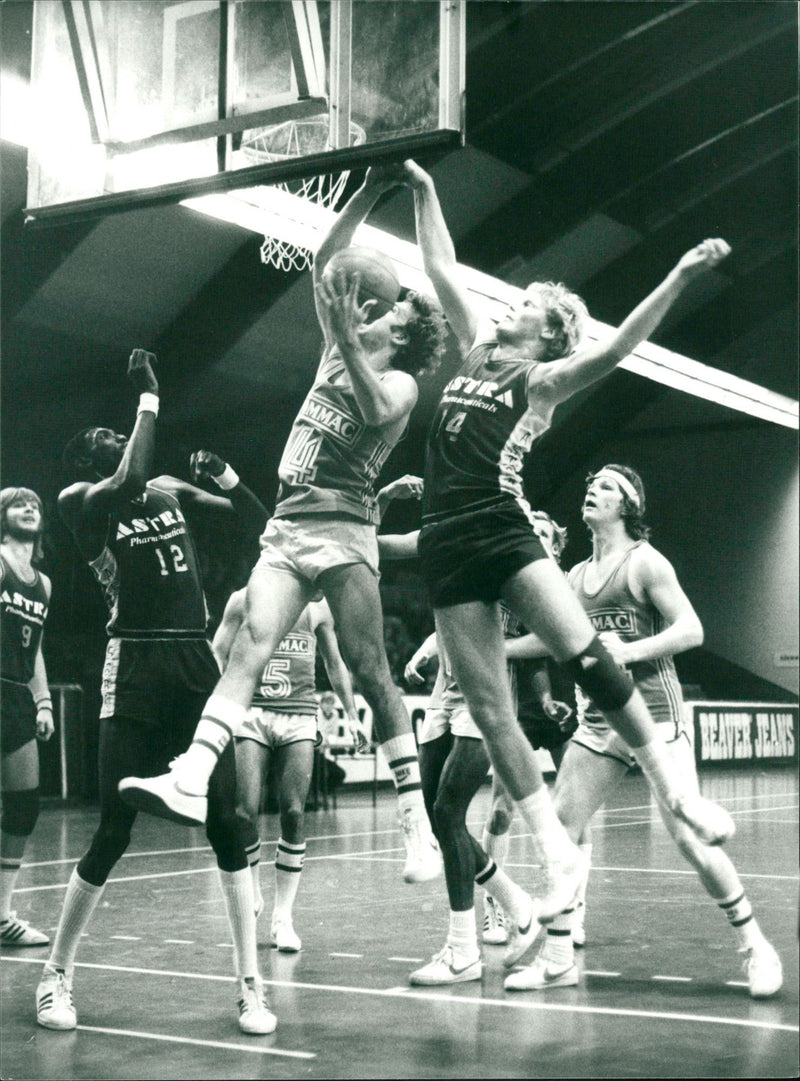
<point x="16" y="932"/>
<point x="423" y="858"/>
<point x="563" y="879"/>
<point x="283" y="937"/>
<point x="764" y="971"/>
<point x="522" y="931"/>
<point x="446" y="967"/>
<point x="165" y="797"/>
<point x="54" y="1005"/>
<point x="494" y="923"/>
<point x="712" y="823"/>
<point x="578" y="925"/>
<point x="541" y="974"/>
<point x="255" y="1017"/>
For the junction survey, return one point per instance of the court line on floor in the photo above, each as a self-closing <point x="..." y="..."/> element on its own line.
<point x="402" y="992"/>
<point x="252" y="1049"/>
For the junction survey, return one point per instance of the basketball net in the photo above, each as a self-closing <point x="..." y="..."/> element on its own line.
<point x="290" y="141"/>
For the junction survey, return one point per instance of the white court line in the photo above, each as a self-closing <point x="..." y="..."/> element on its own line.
<point x="127" y="938"/>
<point x="356" y="955"/>
<point x="180" y="941"/>
<point x="406" y="960"/>
<point x="599" y="972"/>
<point x="376" y="833"/>
<point x="250" y="1048"/>
<point x="475" y="1001"/>
<point x="673" y="979"/>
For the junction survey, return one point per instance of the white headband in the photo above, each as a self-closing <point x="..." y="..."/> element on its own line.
<point x="623" y="482"/>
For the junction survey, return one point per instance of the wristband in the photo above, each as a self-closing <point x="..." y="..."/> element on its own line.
<point x="148" y="403"/>
<point x="44" y="702"/>
<point x="227" y="479"/>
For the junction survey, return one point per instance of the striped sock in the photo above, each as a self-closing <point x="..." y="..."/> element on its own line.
<point x="507" y="893"/>
<point x="79" y="904"/>
<point x="401" y="755"/>
<point x="221" y="717"/>
<point x="253" y="852"/>
<point x="289" y="860"/>
<point x="558" y="946"/>
<point x="496" y="845"/>
<point x="740" y="916"/>
<point x="237" y="889"/>
<point x="9" y="872"/>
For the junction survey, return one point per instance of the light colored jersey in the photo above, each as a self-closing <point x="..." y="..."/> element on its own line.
<point x="613" y="607"/>
<point x="287" y="683"/>
<point x="332" y="457"/>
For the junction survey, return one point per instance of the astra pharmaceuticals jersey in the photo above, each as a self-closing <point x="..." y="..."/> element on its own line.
<point x="482" y="430"/>
<point x="24" y="610"/>
<point x="149" y="573"/>
<point x="332" y="458"/>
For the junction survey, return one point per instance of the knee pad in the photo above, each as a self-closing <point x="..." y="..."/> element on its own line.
<point x="20" y="811"/>
<point x="227" y="839"/>
<point x="107" y="847"/>
<point x="608" y="685"/>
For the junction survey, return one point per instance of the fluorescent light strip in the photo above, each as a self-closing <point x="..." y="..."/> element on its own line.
<point x="277" y="213"/>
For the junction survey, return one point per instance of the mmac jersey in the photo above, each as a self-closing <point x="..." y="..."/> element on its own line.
<point x="287" y="683"/>
<point x="332" y="457"/>
<point x="613" y="607"/>
<point x="24" y="610"/>
<point x="482" y="430"/>
<point x="149" y="573"/>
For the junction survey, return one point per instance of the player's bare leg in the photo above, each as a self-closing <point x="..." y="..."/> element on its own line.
<point x="352" y="592"/>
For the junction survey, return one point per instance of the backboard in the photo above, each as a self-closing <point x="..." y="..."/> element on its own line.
<point x="139" y="102"/>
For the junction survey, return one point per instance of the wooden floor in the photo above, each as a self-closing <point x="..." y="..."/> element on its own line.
<point x="661" y="994"/>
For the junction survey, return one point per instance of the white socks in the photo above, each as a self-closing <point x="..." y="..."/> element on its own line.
<point x="288" y="865"/>
<point x="401" y="756"/>
<point x="79" y="904"/>
<point x="237" y="889"/>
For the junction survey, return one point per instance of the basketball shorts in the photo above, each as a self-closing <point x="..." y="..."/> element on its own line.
<point x="469" y="557"/>
<point x="161" y="683"/>
<point x="18" y="718"/>
<point x="274" y="729"/>
<point x="443" y="719"/>
<point x="596" y="734"/>
<point x="308" y="544"/>
<point x="543" y="733"/>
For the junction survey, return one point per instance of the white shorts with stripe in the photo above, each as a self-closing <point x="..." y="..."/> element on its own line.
<point x="457" y="720"/>
<point x="275" y="729"/>
<point x="600" y="737"/>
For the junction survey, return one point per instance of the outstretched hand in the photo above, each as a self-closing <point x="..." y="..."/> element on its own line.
<point x="205" y="465"/>
<point x="413" y="175"/>
<point x="704" y="256"/>
<point x="141" y="365"/>
<point x="338" y="293"/>
<point x="385" y="177"/>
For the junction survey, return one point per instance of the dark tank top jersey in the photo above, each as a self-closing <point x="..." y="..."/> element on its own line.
<point x="149" y="572"/>
<point x="331" y="458"/>
<point x="24" y="610"/>
<point x="482" y="430"/>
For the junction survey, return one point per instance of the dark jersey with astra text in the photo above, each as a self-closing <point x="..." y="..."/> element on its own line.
<point x="24" y="610"/>
<point x="482" y="430"/>
<point x="149" y="573"/>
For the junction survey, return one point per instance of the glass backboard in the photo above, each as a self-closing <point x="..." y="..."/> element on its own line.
<point x="145" y="101"/>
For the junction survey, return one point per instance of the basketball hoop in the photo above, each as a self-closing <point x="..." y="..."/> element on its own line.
<point x="293" y="140"/>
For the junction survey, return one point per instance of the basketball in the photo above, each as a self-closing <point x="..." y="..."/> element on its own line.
<point x="379" y="279"/>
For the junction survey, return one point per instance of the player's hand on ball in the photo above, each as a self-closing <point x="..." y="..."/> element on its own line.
<point x="141" y="365"/>
<point x="205" y="465"/>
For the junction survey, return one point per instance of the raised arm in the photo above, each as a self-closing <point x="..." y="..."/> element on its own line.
<point x="85" y="506"/>
<point x="239" y="499"/>
<point x="439" y="256"/>
<point x="352" y="214"/>
<point x="383" y="398"/>
<point x="653" y="578"/>
<point x="561" y="379"/>
<point x="406" y="487"/>
<point x="398" y="545"/>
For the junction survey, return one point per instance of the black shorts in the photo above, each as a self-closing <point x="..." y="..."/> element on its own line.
<point x="469" y="557"/>
<point x="18" y="721"/>
<point x="160" y="683"/>
<point x="545" y="734"/>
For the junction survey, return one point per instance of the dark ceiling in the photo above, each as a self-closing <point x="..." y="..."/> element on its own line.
<point x="603" y="139"/>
